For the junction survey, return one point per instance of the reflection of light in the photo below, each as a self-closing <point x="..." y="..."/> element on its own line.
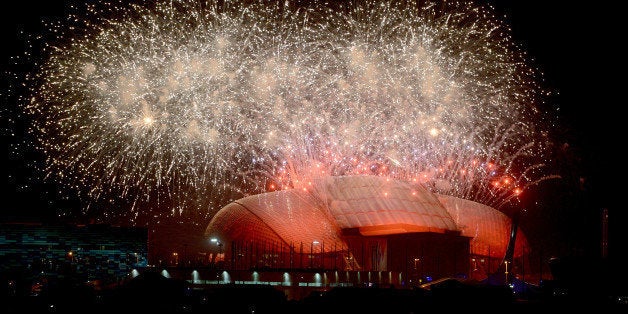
<point x="195" y="276"/>
<point x="220" y="256"/>
<point x="286" y="280"/>
<point x="226" y="278"/>
<point x="317" y="278"/>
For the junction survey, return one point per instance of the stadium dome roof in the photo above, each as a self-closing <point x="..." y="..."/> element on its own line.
<point x="488" y="228"/>
<point x="373" y="205"/>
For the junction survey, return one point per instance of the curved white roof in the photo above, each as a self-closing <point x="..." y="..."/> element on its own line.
<point x="373" y="205"/>
<point x="488" y="228"/>
<point x="370" y="201"/>
<point x="284" y="217"/>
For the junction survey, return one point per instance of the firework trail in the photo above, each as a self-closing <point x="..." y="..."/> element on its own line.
<point x="186" y="105"/>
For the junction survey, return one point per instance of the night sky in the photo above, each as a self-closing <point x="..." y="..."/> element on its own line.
<point x="574" y="45"/>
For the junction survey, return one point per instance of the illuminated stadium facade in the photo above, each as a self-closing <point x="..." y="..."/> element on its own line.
<point x="363" y="223"/>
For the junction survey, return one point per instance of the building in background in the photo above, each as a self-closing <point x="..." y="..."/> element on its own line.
<point x="35" y="254"/>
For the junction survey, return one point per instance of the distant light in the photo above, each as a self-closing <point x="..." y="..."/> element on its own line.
<point x="213" y="240"/>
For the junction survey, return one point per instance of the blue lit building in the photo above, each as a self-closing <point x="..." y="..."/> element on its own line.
<point x="84" y="253"/>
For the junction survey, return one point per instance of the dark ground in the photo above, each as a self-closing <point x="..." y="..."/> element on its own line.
<point x="151" y="292"/>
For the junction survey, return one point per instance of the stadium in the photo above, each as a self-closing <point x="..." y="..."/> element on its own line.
<point x="365" y="223"/>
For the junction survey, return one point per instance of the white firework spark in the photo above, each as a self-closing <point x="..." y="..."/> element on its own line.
<point x="186" y="104"/>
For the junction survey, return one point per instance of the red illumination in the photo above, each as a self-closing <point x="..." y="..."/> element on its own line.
<point x="363" y="202"/>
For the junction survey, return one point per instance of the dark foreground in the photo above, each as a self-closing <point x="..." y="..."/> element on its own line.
<point x="160" y="295"/>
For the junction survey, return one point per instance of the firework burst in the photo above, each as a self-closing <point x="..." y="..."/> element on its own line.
<point x="187" y="105"/>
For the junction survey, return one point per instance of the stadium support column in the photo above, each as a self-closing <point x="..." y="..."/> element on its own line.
<point x="604" y="244"/>
<point x="501" y="274"/>
<point x="510" y="250"/>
